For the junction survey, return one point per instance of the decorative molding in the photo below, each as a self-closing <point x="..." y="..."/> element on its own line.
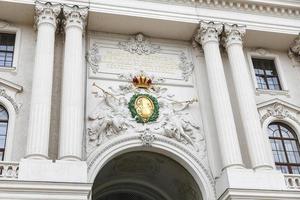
<point x="4" y="24"/>
<point x="261" y="51"/>
<point x="272" y="92"/>
<point x="75" y="16"/>
<point x="158" y="139"/>
<point x="147" y="138"/>
<point x="139" y="45"/>
<point x="10" y="99"/>
<point x="186" y="67"/>
<point x="93" y="58"/>
<point x="233" y="34"/>
<point x="12" y="85"/>
<point x="9" y="170"/>
<point x="294" y="51"/>
<point x="278" y="111"/>
<point x="208" y="31"/>
<point x="46" y="13"/>
<point x="270" y="8"/>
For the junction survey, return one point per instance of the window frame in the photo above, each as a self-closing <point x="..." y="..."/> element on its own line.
<point x="10" y="29"/>
<point x="7" y="125"/>
<point x="288" y="164"/>
<point x="269" y="56"/>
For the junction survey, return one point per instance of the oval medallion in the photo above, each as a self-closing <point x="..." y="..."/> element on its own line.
<point x="143" y="108"/>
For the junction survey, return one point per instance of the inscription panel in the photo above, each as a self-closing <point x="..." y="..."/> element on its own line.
<point x="109" y="57"/>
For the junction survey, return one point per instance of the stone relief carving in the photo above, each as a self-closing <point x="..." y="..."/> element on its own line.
<point x="111" y="117"/>
<point x="147" y="137"/>
<point x="139" y="45"/>
<point x="280" y="112"/>
<point x="294" y="51"/>
<point x="10" y="99"/>
<point x="4" y="24"/>
<point x="93" y="57"/>
<point x="186" y="67"/>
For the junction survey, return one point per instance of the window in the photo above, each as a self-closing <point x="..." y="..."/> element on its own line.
<point x="266" y="74"/>
<point x="7" y="47"/>
<point x="3" y="130"/>
<point x="285" y="148"/>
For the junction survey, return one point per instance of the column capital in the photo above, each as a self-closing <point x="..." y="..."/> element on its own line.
<point x="46" y="13"/>
<point x="233" y="34"/>
<point x="208" y="32"/>
<point x="75" y="16"/>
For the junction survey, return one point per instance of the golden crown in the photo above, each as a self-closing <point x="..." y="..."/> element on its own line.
<point x="142" y="81"/>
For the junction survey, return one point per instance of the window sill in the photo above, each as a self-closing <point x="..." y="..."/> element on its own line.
<point x="8" y="69"/>
<point x="272" y="92"/>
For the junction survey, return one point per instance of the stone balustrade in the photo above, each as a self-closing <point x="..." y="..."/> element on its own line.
<point x="9" y="170"/>
<point x="292" y="181"/>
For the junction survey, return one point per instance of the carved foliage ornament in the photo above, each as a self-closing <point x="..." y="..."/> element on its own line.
<point x="278" y="111"/>
<point x="93" y="58"/>
<point x="10" y="99"/>
<point x="139" y="45"/>
<point x="294" y="50"/>
<point x="208" y="32"/>
<point x="75" y="15"/>
<point x="46" y="12"/>
<point x="233" y="34"/>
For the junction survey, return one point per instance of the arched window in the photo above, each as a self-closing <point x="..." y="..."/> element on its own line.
<point x="285" y="148"/>
<point x="3" y="130"/>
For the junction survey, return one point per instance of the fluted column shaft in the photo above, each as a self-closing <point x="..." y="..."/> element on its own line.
<point x="208" y="37"/>
<point x="256" y="142"/>
<point x="72" y="106"/>
<point x="40" y="108"/>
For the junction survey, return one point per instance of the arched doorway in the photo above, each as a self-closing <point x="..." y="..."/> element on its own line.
<point x="143" y="175"/>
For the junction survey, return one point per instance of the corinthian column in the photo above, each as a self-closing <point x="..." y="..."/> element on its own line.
<point x="208" y="37"/>
<point x="72" y="106"/>
<point x="40" y="108"/>
<point x="257" y="145"/>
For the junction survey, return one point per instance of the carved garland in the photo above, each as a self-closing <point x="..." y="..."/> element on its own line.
<point x="139" y="45"/>
<point x="278" y="111"/>
<point x="10" y="99"/>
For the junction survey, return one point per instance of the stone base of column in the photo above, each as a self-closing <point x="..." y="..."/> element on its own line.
<point x="36" y="157"/>
<point x="248" y="179"/>
<point x="58" y="171"/>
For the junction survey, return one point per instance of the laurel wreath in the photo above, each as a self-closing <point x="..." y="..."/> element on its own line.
<point x="134" y="113"/>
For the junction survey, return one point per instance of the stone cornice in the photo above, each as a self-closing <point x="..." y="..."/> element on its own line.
<point x="289" y="8"/>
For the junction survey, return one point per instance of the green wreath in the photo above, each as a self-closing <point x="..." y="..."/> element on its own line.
<point x="134" y="113"/>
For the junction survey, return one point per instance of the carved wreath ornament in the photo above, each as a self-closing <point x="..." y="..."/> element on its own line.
<point x="144" y="108"/>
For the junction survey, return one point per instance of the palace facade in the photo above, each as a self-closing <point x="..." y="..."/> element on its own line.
<point x="150" y="99"/>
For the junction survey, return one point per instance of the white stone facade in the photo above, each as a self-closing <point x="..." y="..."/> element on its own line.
<point x="71" y="134"/>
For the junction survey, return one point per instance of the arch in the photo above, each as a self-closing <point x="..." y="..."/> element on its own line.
<point x="289" y="142"/>
<point x="10" y="129"/>
<point x="291" y="123"/>
<point x="124" y="144"/>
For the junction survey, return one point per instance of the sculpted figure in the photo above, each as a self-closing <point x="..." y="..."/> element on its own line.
<point x="109" y="118"/>
<point x="175" y="124"/>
